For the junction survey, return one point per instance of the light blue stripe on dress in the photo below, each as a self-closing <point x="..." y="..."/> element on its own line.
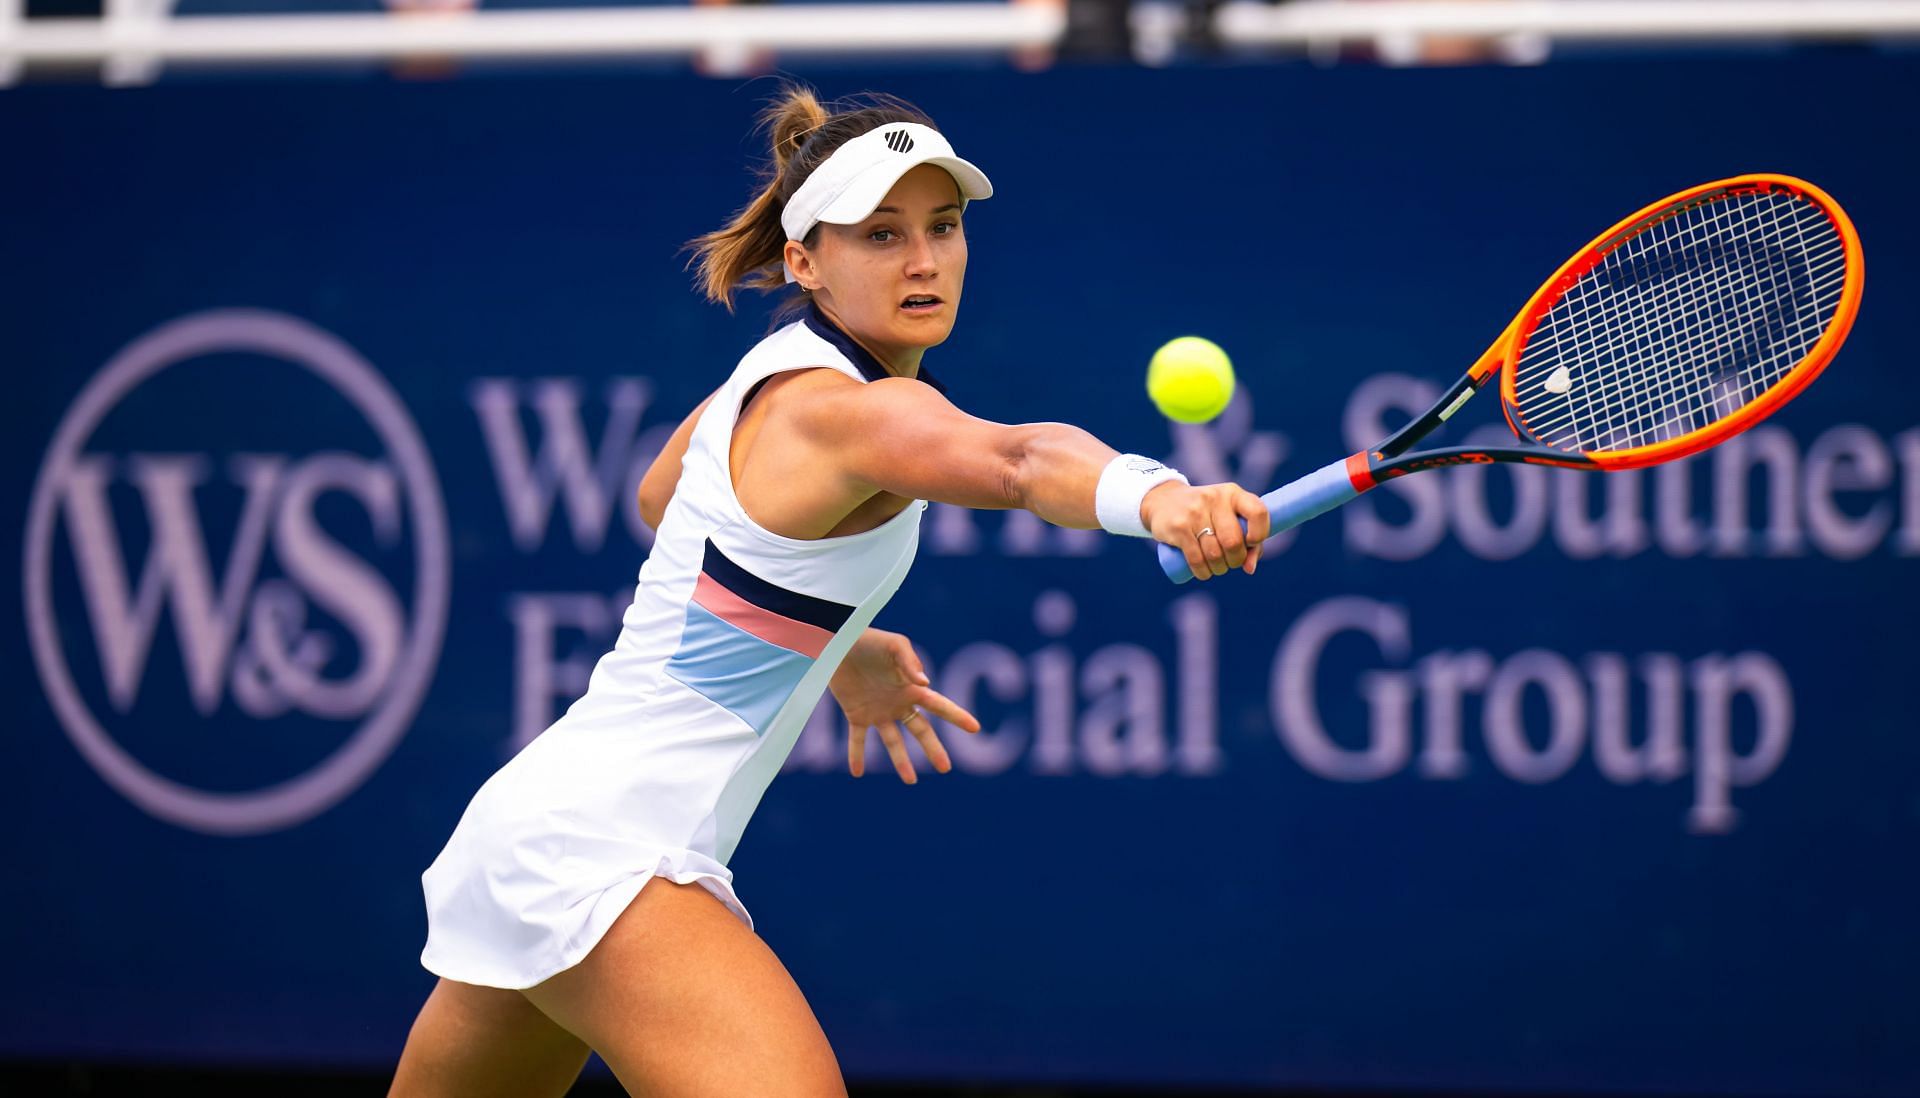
<point x="734" y="669"/>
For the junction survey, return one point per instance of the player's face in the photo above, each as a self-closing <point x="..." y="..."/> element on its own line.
<point x="877" y="276"/>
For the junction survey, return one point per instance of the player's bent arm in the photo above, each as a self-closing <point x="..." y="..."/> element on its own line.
<point x="663" y="476"/>
<point x="903" y="437"/>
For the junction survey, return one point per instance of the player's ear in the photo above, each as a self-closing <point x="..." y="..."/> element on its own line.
<point x="806" y="276"/>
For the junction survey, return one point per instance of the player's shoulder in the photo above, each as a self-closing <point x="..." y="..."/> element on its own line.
<point x="827" y="404"/>
<point x="829" y="382"/>
<point x="824" y="386"/>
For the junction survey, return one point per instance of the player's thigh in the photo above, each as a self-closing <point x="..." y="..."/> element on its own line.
<point x="475" y="1042"/>
<point x="683" y="1001"/>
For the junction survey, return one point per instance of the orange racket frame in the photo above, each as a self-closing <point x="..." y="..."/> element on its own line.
<point x="1506" y="350"/>
<point x="1336" y="483"/>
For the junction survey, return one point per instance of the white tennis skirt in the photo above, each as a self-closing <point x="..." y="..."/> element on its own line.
<point x="553" y="848"/>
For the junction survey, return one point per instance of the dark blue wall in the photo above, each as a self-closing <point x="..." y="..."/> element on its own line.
<point x="1383" y="815"/>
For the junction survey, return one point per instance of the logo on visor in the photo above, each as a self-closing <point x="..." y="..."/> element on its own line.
<point x="900" y="141"/>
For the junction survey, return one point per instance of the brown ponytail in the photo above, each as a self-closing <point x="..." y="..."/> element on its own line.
<point x="747" y="252"/>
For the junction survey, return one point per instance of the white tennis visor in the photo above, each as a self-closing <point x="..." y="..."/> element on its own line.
<point x="847" y="186"/>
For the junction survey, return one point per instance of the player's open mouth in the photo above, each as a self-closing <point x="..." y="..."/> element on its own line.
<point x="920" y="303"/>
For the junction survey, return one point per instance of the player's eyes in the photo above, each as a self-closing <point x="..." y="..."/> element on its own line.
<point x="942" y="228"/>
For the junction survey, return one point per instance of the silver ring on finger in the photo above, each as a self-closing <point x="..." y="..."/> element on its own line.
<point x="1205" y="532"/>
<point x="912" y="713"/>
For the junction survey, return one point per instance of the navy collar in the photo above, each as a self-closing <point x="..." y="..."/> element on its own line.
<point x="863" y="360"/>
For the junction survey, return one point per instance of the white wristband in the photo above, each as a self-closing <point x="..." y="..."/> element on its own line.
<point x="1123" y="484"/>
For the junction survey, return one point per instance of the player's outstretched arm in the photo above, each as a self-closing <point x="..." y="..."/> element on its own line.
<point x="899" y="436"/>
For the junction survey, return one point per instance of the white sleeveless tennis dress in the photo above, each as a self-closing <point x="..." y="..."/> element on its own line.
<point x="726" y="649"/>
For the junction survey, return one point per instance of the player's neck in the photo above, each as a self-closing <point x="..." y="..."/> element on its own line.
<point x="898" y="361"/>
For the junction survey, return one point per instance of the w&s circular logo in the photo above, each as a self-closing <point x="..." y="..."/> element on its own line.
<point x="236" y="571"/>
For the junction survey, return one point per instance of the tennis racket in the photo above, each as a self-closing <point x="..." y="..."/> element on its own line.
<point x="1688" y="322"/>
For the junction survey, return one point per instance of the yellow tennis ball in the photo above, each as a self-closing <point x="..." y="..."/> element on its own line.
<point x="1190" y="379"/>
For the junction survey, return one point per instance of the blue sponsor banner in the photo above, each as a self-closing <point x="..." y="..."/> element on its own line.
<point x="329" y="401"/>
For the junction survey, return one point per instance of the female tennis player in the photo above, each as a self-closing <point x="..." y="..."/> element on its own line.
<point x="583" y="901"/>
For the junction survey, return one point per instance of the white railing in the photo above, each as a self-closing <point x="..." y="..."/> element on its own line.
<point x="11" y="16"/>
<point x="1309" y="23"/>
<point x="134" y="38"/>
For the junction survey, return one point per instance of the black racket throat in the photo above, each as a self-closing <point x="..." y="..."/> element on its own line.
<point x="1426" y="422"/>
<point x="1392" y="458"/>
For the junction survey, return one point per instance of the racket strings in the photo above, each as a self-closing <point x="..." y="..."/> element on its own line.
<point x="1683" y="324"/>
<point x="1692" y="322"/>
<point x="1635" y="324"/>
<point x="1743" y="320"/>
<point x="1701" y="315"/>
<point x="1768" y="296"/>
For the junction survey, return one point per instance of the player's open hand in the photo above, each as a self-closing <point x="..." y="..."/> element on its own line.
<point x="1203" y="522"/>
<point x="881" y="685"/>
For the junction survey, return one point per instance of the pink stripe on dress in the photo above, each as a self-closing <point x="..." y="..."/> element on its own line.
<point x="794" y="636"/>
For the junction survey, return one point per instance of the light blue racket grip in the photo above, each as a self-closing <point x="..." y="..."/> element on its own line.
<point x="1290" y="505"/>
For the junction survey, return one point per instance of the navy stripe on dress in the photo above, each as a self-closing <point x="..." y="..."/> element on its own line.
<point x="820" y="612"/>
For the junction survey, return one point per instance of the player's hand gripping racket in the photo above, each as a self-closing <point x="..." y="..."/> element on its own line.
<point x="1686" y="323"/>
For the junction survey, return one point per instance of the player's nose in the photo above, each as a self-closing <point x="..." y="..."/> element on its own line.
<point x="921" y="262"/>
